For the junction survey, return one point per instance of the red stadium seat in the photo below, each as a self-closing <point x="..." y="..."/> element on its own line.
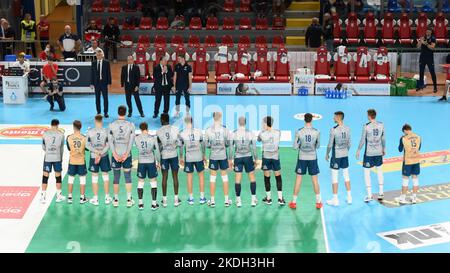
<point x="370" y="29"/>
<point x="212" y="23"/>
<point x="210" y="41"/>
<point x="262" y="23"/>
<point x="322" y="60"/>
<point x="142" y="60"/>
<point x="342" y="64"/>
<point x="244" y="6"/>
<point x="179" y="50"/>
<point x="278" y="23"/>
<point x="362" y="65"/>
<point x="159" y="52"/>
<point x="229" y="6"/>
<point x="160" y="41"/>
<point x="242" y="60"/>
<point x="195" y="24"/>
<point x="223" y="66"/>
<point x="200" y="68"/>
<point x="440" y="28"/>
<point x="337" y="29"/>
<point x="227" y="40"/>
<point x="114" y="6"/>
<point x="352" y="28"/>
<point x="262" y="64"/>
<point x="145" y="40"/>
<point x="261" y="41"/>
<point x="146" y="23"/>
<point x="176" y="41"/>
<point x="244" y="41"/>
<point x="387" y="29"/>
<point x="404" y="29"/>
<point x="282" y="70"/>
<point x="382" y="65"/>
<point x="126" y="41"/>
<point x="422" y="23"/>
<point x="194" y="41"/>
<point x="228" y="23"/>
<point x="245" y="23"/>
<point x="277" y="41"/>
<point x="162" y="23"/>
<point x="98" y="6"/>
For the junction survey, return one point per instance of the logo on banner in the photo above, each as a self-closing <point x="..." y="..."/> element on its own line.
<point x="24" y="132"/>
<point x="301" y="116"/>
<point x="15" y="201"/>
<point x="410" y="238"/>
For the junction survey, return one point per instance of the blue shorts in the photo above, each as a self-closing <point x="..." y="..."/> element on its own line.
<point x="189" y="166"/>
<point x="271" y="164"/>
<point x="77" y="170"/>
<point x="372" y="161"/>
<point x="147" y="170"/>
<point x="339" y="163"/>
<point x="171" y="163"/>
<point x="218" y="164"/>
<point x="127" y="164"/>
<point x="244" y="162"/>
<point x="307" y="166"/>
<point x="408" y="170"/>
<point x="104" y="165"/>
<point x="57" y="166"/>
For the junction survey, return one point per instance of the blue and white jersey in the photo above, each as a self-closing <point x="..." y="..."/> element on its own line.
<point x="374" y="139"/>
<point x="339" y="142"/>
<point x="307" y="141"/>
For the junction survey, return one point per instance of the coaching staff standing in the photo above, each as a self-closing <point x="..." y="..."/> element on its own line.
<point x="130" y="79"/>
<point x="100" y="81"/>
<point x="426" y="45"/>
<point x="163" y="82"/>
<point x="183" y="83"/>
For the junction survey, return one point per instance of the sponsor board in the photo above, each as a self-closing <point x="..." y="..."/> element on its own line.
<point x="252" y="88"/>
<point x="16" y="131"/>
<point x="425" y="194"/>
<point x="15" y="201"/>
<point x="411" y="238"/>
<point x="304" y="81"/>
<point x="358" y="89"/>
<point x="428" y="159"/>
<point x="198" y="88"/>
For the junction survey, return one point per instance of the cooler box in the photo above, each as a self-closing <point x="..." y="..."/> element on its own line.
<point x="401" y="89"/>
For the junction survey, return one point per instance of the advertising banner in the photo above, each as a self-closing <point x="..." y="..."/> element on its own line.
<point x="358" y="89"/>
<point x="250" y="88"/>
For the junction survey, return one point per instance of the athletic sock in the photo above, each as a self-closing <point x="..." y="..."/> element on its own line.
<point x="267" y="183"/>
<point x="335" y="196"/>
<point x="191" y="196"/>
<point x="140" y="192"/>
<point x="82" y="196"/>
<point x="95" y="197"/>
<point x="226" y="198"/>
<point x="253" y="187"/>
<point x="237" y="187"/>
<point x="280" y="195"/>
<point x="58" y="192"/>
<point x="175" y="197"/>
<point x="318" y="198"/>
<point x="154" y="194"/>
<point x="129" y="195"/>
<point x="116" y="196"/>
<point x="165" y="198"/>
<point x="349" y="194"/>
<point x="268" y="195"/>
<point x="367" y="181"/>
<point x="279" y="183"/>
<point x="294" y="199"/>
<point x="202" y="195"/>
<point x="212" y="199"/>
<point x="380" y="179"/>
<point x="69" y="195"/>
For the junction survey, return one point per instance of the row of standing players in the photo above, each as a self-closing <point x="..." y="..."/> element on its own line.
<point x="170" y="148"/>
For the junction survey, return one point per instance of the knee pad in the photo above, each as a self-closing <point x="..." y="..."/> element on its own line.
<point x="58" y="179"/>
<point x="225" y="178"/>
<point x="116" y="177"/>
<point x="127" y="175"/>
<point x="153" y="184"/>
<point x="95" y="179"/>
<point x="44" y="180"/>
<point x="346" y="175"/>
<point x="212" y="179"/>
<point x="415" y="182"/>
<point x="82" y="180"/>
<point x="405" y="182"/>
<point x="334" y="176"/>
<point x="105" y="177"/>
<point x="70" y="180"/>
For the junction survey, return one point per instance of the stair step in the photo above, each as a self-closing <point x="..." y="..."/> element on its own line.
<point x="310" y="6"/>
<point x="295" y="40"/>
<point x="298" y="22"/>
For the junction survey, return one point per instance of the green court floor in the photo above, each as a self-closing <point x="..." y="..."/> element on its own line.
<point x="198" y="228"/>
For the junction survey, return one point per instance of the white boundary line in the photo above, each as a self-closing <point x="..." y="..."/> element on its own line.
<point x="324" y="228"/>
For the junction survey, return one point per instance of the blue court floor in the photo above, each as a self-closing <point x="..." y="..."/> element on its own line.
<point x="348" y="228"/>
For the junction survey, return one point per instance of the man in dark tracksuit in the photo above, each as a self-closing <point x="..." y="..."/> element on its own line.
<point x="183" y="83"/>
<point x="426" y="45"/>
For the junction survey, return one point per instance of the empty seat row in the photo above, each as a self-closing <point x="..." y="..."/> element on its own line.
<point x="389" y="28"/>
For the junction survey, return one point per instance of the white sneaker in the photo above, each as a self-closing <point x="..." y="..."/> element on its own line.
<point x="228" y="203"/>
<point x="83" y="200"/>
<point x="94" y="202"/>
<point x="60" y="198"/>
<point x="43" y="199"/>
<point x="130" y="203"/>
<point x="368" y="199"/>
<point x="414" y="199"/>
<point x="401" y="200"/>
<point x="177" y="202"/>
<point x="349" y="200"/>
<point x="238" y="203"/>
<point x="116" y="203"/>
<point x="108" y="200"/>
<point x="333" y="202"/>
<point x="164" y="203"/>
<point x="380" y="196"/>
<point x="254" y="202"/>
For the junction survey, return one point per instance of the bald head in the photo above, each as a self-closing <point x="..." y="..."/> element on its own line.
<point x="315" y="20"/>
<point x="68" y="29"/>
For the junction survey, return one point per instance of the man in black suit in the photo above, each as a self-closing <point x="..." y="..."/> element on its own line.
<point x="163" y="82"/>
<point x="101" y="80"/>
<point x="130" y="79"/>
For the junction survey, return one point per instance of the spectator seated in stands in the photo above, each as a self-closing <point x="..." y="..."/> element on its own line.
<point x="92" y="31"/>
<point x="49" y="53"/>
<point x="314" y="33"/>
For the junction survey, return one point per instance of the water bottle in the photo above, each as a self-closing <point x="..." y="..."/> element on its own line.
<point x="344" y="94"/>
<point x="327" y="93"/>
